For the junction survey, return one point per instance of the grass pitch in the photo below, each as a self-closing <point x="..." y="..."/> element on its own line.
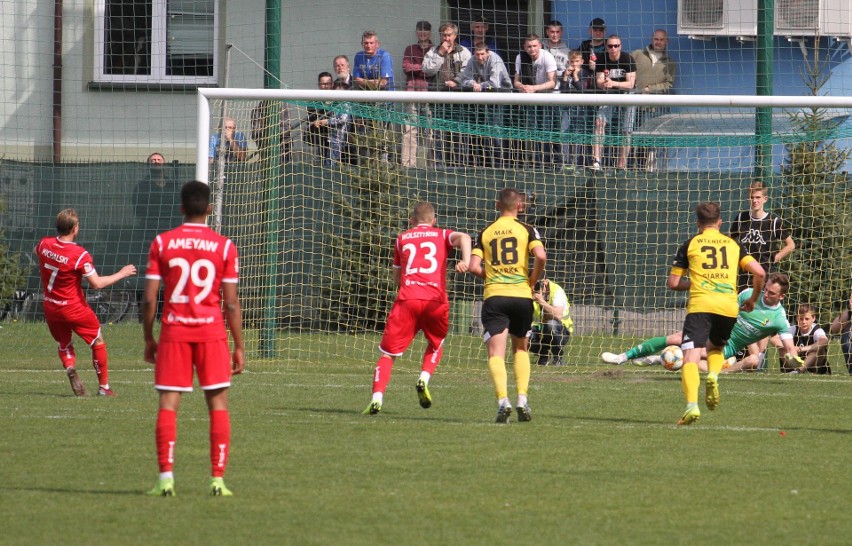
<point x="601" y="463"/>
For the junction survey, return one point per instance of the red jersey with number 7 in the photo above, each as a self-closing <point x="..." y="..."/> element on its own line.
<point x="192" y="261"/>
<point x="421" y="254"/>
<point x="62" y="266"/>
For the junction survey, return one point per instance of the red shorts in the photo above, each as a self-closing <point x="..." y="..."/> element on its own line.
<point x="407" y="317"/>
<point x="63" y="319"/>
<point x="175" y="361"/>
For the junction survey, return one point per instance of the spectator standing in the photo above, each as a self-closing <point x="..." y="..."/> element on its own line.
<point x="479" y="33"/>
<point x="420" y="257"/>
<point x="336" y="122"/>
<point x="485" y="72"/>
<point x="594" y="48"/>
<point x="535" y="72"/>
<point x="761" y="232"/>
<point x="412" y="65"/>
<point x="63" y="264"/>
<point x="577" y="79"/>
<point x="342" y="70"/>
<point x="318" y="131"/>
<point x="842" y="326"/>
<point x="655" y="74"/>
<point x="500" y="256"/>
<point x="615" y="73"/>
<point x="706" y="266"/>
<point x="199" y="271"/>
<point x="264" y="131"/>
<point x="156" y="202"/>
<point x="556" y="47"/>
<point x="373" y="72"/>
<point x="373" y="65"/>
<point x="444" y="64"/>
<point x="156" y="198"/>
<point x="552" y="323"/>
<point x="230" y="141"/>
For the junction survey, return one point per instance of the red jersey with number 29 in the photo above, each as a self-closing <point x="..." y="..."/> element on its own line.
<point x="421" y="254"/>
<point x="192" y="261"/>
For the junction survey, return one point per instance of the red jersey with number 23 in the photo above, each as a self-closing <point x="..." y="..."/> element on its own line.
<point x="421" y="254"/>
<point x="192" y="261"/>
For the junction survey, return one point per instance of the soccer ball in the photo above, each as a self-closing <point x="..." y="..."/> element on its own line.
<point x="672" y="358"/>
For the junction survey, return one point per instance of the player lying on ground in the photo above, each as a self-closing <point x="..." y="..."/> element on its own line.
<point x="768" y="318"/>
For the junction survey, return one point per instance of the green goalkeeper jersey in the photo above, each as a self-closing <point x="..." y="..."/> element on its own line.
<point x="752" y="326"/>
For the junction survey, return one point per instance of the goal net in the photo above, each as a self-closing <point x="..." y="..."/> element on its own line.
<point x="331" y="176"/>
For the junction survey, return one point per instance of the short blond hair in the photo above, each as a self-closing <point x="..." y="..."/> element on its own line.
<point x="66" y="221"/>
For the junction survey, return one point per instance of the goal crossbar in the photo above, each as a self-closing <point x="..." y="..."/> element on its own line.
<point x="205" y="95"/>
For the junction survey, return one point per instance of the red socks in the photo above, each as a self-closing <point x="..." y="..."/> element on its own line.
<point x="67" y="356"/>
<point x="99" y="361"/>
<point x="166" y="436"/>
<point x="431" y="359"/>
<point x="381" y="378"/>
<point x="220" y="441"/>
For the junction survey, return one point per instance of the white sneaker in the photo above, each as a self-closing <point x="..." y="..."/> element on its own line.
<point x="612" y="358"/>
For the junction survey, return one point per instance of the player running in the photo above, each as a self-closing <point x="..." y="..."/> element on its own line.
<point x="198" y="268"/>
<point x="63" y="264"/>
<point x="768" y="318"/>
<point x="711" y="260"/>
<point x="420" y="272"/>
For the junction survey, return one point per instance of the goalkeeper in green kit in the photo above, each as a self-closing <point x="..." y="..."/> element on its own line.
<point x="768" y="318"/>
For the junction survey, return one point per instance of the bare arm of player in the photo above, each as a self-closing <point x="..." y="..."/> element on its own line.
<point x="462" y="242"/>
<point x="789" y="351"/>
<point x="789" y="246"/>
<point x="234" y="318"/>
<point x="840" y="322"/>
<point x="539" y="259"/>
<point x="475" y="267"/>
<point x="397" y="276"/>
<point x="97" y="282"/>
<point x="678" y="283"/>
<point x="757" y="277"/>
<point x="149" y="313"/>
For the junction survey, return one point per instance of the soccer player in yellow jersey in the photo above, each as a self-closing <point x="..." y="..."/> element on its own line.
<point x="711" y="261"/>
<point x="500" y="256"/>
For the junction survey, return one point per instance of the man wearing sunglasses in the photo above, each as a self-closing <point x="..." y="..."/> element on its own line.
<point x="615" y="73"/>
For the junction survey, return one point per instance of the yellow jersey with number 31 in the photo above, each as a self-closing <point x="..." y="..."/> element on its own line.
<point x="711" y="261"/>
<point x="505" y="246"/>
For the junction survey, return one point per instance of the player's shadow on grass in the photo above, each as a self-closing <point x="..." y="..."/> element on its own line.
<point x="72" y="491"/>
<point x="617" y="420"/>
<point x="384" y="414"/>
<point x="45" y="394"/>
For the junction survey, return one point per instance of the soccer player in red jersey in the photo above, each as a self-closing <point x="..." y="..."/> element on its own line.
<point x="198" y="268"/>
<point x="63" y="264"/>
<point x="420" y="271"/>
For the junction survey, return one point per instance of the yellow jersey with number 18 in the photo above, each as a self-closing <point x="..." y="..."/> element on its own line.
<point x="505" y="247"/>
<point x="711" y="261"/>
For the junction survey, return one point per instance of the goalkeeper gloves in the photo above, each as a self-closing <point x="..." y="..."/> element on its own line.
<point x="793" y="359"/>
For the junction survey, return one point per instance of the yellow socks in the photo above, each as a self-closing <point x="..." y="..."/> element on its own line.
<point x="689" y="381"/>
<point x="497" y="367"/>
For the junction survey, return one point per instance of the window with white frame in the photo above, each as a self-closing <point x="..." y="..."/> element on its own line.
<point x="156" y="41"/>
